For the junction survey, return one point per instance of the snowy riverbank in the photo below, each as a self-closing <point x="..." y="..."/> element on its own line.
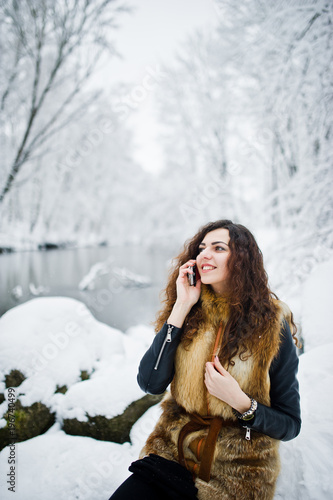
<point x="52" y="341"/>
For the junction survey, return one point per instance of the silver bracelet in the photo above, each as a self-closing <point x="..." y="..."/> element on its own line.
<point x="250" y="412"/>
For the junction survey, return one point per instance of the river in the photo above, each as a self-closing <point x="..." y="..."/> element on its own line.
<point x="26" y="275"/>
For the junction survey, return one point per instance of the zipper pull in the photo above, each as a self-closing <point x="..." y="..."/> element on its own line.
<point x="248" y="434"/>
<point x="168" y="337"/>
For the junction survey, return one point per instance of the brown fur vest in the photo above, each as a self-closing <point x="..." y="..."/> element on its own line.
<point x="242" y="469"/>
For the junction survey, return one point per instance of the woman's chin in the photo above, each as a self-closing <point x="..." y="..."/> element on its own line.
<point x="206" y="281"/>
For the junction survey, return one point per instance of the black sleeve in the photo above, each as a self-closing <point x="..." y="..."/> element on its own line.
<point x="283" y="419"/>
<point x="156" y="369"/>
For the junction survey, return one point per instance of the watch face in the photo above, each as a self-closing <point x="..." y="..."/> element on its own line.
<point x="248" y="417"/>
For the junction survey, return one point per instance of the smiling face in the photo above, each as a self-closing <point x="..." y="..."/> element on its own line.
<point x="212" y="259"/>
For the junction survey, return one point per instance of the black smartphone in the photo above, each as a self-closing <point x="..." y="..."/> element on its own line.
<point x="192" y="280"/>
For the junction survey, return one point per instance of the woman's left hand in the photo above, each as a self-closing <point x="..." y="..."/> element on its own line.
<point x="222" y="385"/>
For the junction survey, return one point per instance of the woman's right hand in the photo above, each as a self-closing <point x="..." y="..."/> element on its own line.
<point x="187" y="295"/>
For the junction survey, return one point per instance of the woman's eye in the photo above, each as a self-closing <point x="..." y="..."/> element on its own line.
<point x="219" y="248"/>
<point x="200" y="250"/>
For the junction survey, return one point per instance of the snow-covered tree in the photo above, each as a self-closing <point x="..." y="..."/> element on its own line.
<point x="49" y="51"/>
<point x="250" y="103"/>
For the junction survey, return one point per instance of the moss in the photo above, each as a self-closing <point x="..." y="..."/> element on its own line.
<point x="2" y="398"/>
<point x="116" y="429"/>
<point x="62" y="390"/>
<point x="85" y="375"/>
<point x="26" y="423"/>
<point x="14" y="379"/>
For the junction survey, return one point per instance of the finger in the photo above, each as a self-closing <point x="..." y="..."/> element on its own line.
<point x="209" y="365"/>
<point x="183" y="272"/>
<point x="208" y="382"/>
<point x="190" y="262"/>
<point x="219" y="367"/>
<point x="210" y="370"/>
<point x="207" y="374"/>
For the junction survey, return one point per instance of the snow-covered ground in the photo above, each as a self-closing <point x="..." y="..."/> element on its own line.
<point x="52" y="340"/>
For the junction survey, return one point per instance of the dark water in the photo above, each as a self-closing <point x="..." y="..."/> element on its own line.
<point x="60" y="271"/>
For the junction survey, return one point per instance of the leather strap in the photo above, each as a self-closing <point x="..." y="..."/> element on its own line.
<point x="195" y="424"/>
<point x="198" y="422"/>
<point x="209" y="448"/>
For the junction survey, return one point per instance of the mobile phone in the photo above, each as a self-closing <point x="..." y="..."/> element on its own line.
<point x="192" y="281"/>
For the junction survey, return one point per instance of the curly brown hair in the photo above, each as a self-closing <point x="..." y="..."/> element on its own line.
<point x="250" y="299"/>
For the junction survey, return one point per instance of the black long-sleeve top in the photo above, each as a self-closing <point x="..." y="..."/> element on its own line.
<point x="282" y="420"/>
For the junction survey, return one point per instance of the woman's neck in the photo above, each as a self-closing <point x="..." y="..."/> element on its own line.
<point x="220" y="289"/>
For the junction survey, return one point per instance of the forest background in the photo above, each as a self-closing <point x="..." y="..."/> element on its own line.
<point x="244" y="113"/>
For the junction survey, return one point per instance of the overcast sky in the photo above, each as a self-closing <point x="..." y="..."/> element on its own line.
<point x="148" y="37"/>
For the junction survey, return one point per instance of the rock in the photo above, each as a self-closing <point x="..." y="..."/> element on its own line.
<point x="84" y="375"/>
<point x="62" y="390"/>
<point x="29" y="422"/>
<point x="49" y="246"/>
<point x="116" y="429"/>
<point x="6" y="250"/>
<point x="14" y="379"/>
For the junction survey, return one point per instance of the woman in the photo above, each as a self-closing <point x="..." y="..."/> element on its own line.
<point x="226" y="346"/>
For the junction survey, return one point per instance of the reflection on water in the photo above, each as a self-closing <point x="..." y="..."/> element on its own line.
<point x="60" y="271"/>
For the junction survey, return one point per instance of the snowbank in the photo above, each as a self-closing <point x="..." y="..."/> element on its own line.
<point x="52" y="341"/>
<point x="64" y="467"/>
<point x="306" y="461"/>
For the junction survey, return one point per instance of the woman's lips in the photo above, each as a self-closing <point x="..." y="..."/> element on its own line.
<point x="206" y="268"/>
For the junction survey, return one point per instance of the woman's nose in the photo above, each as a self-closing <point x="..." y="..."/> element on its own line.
<point x="206" y="253"/>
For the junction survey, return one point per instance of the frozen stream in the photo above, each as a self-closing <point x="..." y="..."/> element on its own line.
<point x="24" y="275"/>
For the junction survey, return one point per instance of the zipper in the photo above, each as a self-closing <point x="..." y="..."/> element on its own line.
<point x="167" y="339"/>
<point x="248" y="433"/>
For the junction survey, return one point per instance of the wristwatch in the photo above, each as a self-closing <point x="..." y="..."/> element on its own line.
<point x="249" y="414"/>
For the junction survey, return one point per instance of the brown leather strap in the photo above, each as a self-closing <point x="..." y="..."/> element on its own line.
<point x="191" y="426"/>
<point x="209" y="448"/>
<point x="195" y="424"/>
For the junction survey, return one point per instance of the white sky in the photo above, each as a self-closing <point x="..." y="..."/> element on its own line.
<point x="146" y="38"/>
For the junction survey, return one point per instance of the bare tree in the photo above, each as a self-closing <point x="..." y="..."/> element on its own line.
<point x="52" y="50"/>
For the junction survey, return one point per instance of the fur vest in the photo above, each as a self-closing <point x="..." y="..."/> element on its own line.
<point x="241" y="468"/>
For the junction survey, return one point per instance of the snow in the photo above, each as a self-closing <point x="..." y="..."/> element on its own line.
<point x="98" y="269"/>
<point x="129" y="279"/>
<point x="305" y="473"/>
<point x="74" y="467"/>
<point x="126" y="277"/>
<point x="67" y="467"/>
<point x="51" y="340"/>
<point x="317" y="316"/>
